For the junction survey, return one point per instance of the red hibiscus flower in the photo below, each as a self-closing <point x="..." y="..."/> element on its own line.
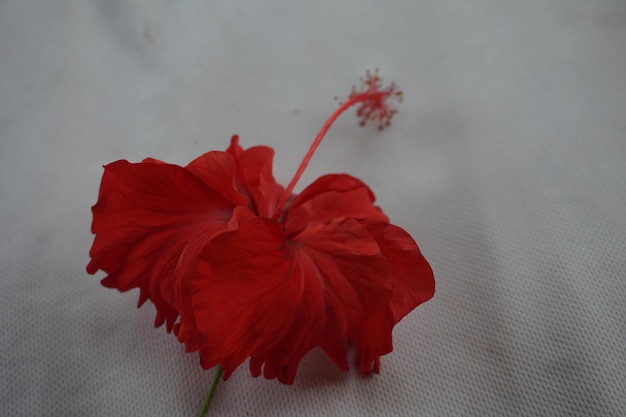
<point x="240" y="267"/>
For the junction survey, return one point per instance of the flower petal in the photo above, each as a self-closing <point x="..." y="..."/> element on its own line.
<point x="254" y="173"/>
<point x="218" y="170"/>
<point x="256" y="294"/>
<point x="332" y="182"/>
<point x="243" y="294"/>
<point x="331" y="197"/>
<point x="345" y="278"/>
<point x="412" y="283"/>
<point x="146" y="217"/>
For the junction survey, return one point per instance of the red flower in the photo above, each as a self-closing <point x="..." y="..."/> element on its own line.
<point x="239" y="267"/>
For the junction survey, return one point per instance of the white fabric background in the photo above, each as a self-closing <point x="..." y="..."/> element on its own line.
<point x="506" y="164"/>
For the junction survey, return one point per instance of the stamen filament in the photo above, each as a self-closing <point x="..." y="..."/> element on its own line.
<point x="358" y="98"/>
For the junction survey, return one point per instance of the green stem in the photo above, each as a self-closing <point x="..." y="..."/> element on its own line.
<point x="209" y="396"/>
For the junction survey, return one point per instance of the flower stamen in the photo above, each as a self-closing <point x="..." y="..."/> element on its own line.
<point x="378" y="108"/>
<point x="374" y="106"/>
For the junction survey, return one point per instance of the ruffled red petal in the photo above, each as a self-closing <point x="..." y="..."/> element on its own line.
<point x="243" y="297"/>
<point x="332" y="197"/>
<point x="412" y="283"/>
<point x="218" y="171"/>
<point x="146" y="217"/>
<point x="255" y="293"/>
<point x="254" y="175"/>
<point x="346" y="280"/>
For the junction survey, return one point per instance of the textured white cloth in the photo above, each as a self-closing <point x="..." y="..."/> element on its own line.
<point x="506" y="163"/>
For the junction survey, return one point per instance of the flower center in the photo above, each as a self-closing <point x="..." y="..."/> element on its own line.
<point x="374" y="106"/>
